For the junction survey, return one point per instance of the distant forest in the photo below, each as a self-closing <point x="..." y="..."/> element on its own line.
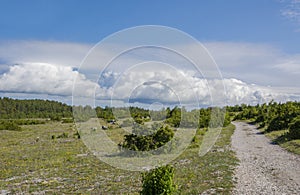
<point x="17" y="109"/>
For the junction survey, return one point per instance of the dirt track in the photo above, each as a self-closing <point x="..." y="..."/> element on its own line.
<point x="264" y="168"/>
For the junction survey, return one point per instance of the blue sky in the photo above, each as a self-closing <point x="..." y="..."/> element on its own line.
<point x="90" y="21"/>
<point x="253" y="42"/>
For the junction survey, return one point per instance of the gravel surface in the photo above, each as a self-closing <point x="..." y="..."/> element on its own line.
<point x="264" y="168"/>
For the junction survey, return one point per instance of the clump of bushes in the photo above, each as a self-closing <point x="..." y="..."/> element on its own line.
<point x="9" y="125"/>
<point x="294" y="129"/>
<point x="272" y="116"/>
<point x="138" y="141"/>
<point x="55" y="118"/>
<point x="12" y="124"/>
<point x="29" y="122"/>
<point x="159" y="181"/>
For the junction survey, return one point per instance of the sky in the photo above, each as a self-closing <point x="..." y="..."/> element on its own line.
<point x="255" y="45"/>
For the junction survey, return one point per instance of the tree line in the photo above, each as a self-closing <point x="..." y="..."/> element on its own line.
<point x="272" y="116"/>
<point x="18" y="109"/>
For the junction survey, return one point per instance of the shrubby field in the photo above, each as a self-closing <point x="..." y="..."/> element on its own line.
<point x="42" y="151"/>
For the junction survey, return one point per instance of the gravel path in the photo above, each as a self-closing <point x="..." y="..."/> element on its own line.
<point x="264" y="168"/>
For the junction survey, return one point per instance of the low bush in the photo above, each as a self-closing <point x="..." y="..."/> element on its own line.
<point x="294" y="129"/>
<point x="9" y="125"/>
<point x="159" y="181"/>
<point x="138" y="142"/>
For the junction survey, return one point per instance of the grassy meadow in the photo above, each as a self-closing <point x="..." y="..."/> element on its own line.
<point x="50" y="159"/>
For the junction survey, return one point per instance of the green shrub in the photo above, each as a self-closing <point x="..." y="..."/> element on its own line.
<point x="55" y="118"/>
<point x="158" y="181"/>
<point x="28" y="121"/>
<point x="294" y="129"/>
<point x="9" y="125"/>
<point x="278" y="123"/>
<point x="138" y="120"/>
<point x="139" y="142"/>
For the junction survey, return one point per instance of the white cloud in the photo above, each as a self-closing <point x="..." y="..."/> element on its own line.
<point x="256" y="63"/>
<point x="177" y="86"/>
<point x="290" y="65"/>
<point x="43" y="78"/>
<point x="166" y="86"/>
<point x="46" y="68"/>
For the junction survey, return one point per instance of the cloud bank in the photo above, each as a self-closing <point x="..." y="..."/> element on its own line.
<point x="256" y="63"/>
<point x="253" y="73"/>
<point x="42" y="78"/>
<point x="165" y="86"/>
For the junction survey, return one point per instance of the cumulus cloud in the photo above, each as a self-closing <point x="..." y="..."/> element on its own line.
<point x="48" y="68"/>
<point x="43" y="78"/>
<point x="167" y="86"/>
<point x="185" y="88"/>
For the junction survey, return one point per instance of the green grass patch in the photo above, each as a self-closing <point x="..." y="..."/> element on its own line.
<point x="211" y="173"/>
<point x="282" y="139"/>
<point x="31" y="161"/>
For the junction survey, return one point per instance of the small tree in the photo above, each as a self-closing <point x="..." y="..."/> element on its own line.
<point x="159" y="181"/>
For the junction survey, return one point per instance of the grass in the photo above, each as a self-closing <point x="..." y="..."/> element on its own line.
<point x="211" y="173"/>
<point x="31" y="161"/>
<point x="57" y="166"/>
<point x="281" y="138"/>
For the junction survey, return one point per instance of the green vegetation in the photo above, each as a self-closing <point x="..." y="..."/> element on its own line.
<point x="158" y="181"/>
<point x="105" y="113"/>
<point x="56" y="111"/>
<point x="279" y="121"/>
<point x="47" y="156"/>
<point x="39" y="155"/>
<point x="209" y="174"/>
<point x="142" y="138"/>
<point x="15" y="124"/>
<point x="16" y="109"/>
<point x="65" y="166"/>
<point x="9" y="125"/>
<point x="67" y="120"/>
<point x="57" y="166"/>
<point x="294" y="129"/>
<point x="25" y="121"/>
